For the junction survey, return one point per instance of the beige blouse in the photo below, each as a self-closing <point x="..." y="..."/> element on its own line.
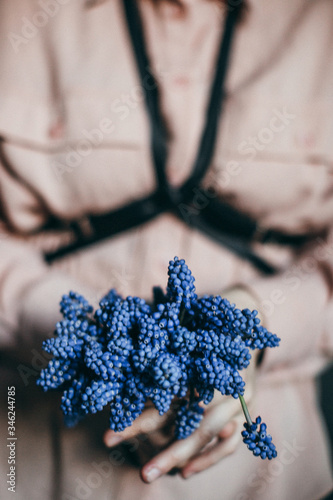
<point x="75" y="141"/>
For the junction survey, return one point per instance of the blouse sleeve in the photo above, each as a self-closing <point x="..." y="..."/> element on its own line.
<point x="29" y="289"/>
<point x="297" y="305"/>
<point x="30" y="292"/>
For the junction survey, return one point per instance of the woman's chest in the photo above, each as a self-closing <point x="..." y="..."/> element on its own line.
<point x="273" y="151"/>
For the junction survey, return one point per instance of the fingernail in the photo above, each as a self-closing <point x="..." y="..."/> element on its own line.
<point x="113" y="440"/>
<point x="152" y="474"/>
<point x="188" y="474"/>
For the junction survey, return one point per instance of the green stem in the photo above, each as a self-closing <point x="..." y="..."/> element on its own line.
<point x="192" y="394"/>
<point x="245" y="410"/>
<point x="181" y="315"/>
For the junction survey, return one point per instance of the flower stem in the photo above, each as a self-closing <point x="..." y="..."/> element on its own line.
<point x="245" y="410"/>
<point x="192" y="394"/>
<point x="182" y="314"/>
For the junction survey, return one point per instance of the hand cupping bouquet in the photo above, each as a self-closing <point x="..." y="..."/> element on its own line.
<point x="128" y="352"/>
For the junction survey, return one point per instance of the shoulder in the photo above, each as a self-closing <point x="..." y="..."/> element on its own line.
<point x="42" y="40"/>
<point x="60" y="56"/>
<point x="26" y="24"/>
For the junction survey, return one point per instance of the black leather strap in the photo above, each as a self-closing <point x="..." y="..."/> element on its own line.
<point x="166" y="198"/>
<point x="214" y="108"/>
<point x="94" y="228"/>
<point x="215" y="218"/>
<point x="158" y="129"/>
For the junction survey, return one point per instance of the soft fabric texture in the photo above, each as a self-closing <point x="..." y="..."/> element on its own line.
<point x="76" y="140"/>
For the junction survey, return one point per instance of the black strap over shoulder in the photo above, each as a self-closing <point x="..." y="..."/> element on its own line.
<point x="215" y="218"/>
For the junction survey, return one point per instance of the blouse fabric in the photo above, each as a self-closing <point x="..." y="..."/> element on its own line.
<point x="75" y="141"/>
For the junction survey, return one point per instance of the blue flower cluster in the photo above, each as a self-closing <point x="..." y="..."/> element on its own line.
<point x="258" y="441"/>
<point x="129" y="351"/>
<point x="188" y="418"/>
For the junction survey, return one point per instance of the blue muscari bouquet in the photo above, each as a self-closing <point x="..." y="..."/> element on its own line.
<point x="128" y="352"/>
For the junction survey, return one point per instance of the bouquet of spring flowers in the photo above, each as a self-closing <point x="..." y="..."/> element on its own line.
<point x="128" y="351"/>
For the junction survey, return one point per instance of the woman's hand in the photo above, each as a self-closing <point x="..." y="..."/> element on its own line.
<point x="218" y="435"/>
<point x="147" y="436"/>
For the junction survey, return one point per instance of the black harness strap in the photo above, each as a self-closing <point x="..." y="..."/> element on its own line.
<point x="166" y="198"/>
<point x="214" y="108"/>
<point x="94" y="228"/>
<point x="215" y="218"/>
<point x="158" y="129"/>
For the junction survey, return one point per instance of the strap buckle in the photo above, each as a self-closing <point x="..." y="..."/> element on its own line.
<point x="260" y="234"/>
<point x="83" y="228"/>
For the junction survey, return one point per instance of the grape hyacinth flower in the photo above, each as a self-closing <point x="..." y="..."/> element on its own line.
<point x="256" y="438"/>
<point x="188" y="419"/>
<point x="181" y="347"/>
